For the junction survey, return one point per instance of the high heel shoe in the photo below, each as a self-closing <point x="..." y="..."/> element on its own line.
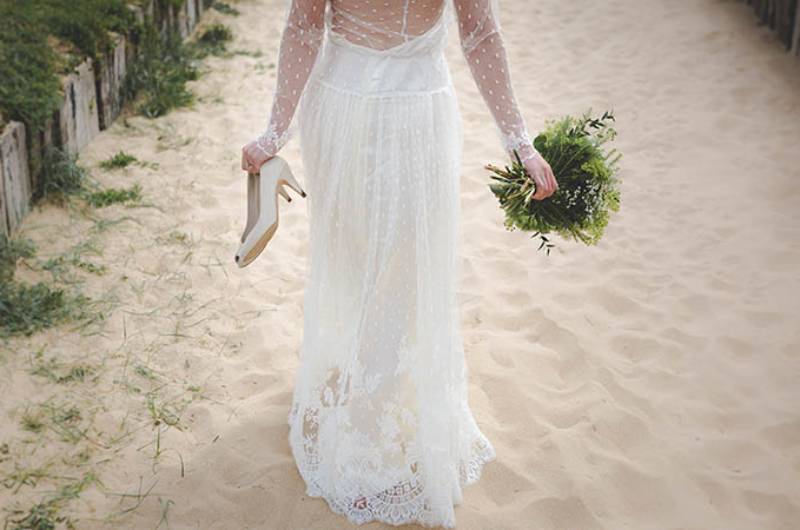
<point x="263" y="190"/>
<point x="252" y="202"/>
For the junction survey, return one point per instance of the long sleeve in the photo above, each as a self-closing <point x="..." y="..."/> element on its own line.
<point x="300" y="43"/>
<point x="483" y="48"/>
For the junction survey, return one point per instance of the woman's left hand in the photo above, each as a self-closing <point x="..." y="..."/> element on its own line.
<point x="542" y="174"/>
<point x="253" y="157"/>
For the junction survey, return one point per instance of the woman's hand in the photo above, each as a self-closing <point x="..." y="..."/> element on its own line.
<point x="253" y="157"/>
<point x="542" y="174"/>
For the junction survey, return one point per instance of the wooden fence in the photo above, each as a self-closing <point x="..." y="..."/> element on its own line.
<point x="92" y="101"/>
<point x="783" y="17"/>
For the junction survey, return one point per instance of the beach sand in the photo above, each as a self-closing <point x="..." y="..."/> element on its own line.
<point x="652" y="381"/>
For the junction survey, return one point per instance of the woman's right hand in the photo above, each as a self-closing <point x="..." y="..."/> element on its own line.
<point x="253" y="157"/>
<point x="542" y="175"/>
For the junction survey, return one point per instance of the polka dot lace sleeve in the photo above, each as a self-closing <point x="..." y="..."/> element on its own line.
<point x="482" y="46"/>
<point x="300" y="43"/>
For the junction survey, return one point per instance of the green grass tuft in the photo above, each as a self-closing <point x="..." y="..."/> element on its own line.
<point x="109" y="196"/>
<point x="160" y="75"/>
<point x="225" y="9"/>
<point x="213" y="40"/>
<point x="26" y="308"/>
<point x="10" y="251"/>
<point x="57" y="372"/>
<point x="119" y="160"/>
<point x="45" y="514"/>
<point x="61" y="175"/>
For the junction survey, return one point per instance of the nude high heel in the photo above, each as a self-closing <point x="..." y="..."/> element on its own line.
<point x="252" y="202"/>
<point x="263" y="217"/>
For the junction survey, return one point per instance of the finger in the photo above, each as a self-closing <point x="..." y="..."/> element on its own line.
<point x="548" y="187"/>
<point x="545" y="183"/>
<point x="541" y="190"/>
<point x="552" y="178"/>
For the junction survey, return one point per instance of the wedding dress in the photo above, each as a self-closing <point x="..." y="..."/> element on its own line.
<point x="380" y="425"/>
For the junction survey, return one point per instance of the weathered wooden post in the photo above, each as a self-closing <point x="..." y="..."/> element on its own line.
<point x="91" y="103"/>
<point x="38" y="142"/>
<point x="15" y="188"/>
<point x="78" y="118"/>
<point x="781" y="16"/>
<point x="193" y="13"/>
<point x="112" y="67"/>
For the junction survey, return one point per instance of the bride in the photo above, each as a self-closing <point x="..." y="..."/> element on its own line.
<point x="380" y="426"/>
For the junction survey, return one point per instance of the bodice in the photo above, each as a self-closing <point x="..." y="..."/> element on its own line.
<point x="388" y="46"/>
<point x="415" y="64"/>
<point x="389" y="27"/>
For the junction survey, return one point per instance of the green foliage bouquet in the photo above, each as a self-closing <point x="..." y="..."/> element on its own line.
<point x="587" y="184"/>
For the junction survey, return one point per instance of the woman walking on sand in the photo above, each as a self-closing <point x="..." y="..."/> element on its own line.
<point x="380" y="426"/>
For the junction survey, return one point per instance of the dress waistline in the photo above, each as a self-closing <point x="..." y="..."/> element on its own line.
<point x="353" y="68"/>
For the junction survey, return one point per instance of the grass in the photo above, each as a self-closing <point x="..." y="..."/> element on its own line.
<point x="225" y="9"/>
<point x="65" y="420"/>
<point x="41" y="39"/>
<point x="45" y="514"/>
<point x="27" y="308"/>
<point x="12" y="250"/>
<point x="63" y="178"/>
<point x="119" y="160"/>
<point x="32" y="421"/>
<point x="110" y="196"/>
<point x="63" y="267"/>
<point x="29" y="87"/>
<point x="158" y="79"/>
<point x="24" y="477"/>
<point x="84" y="24"/>
<point x="174" y="236"/>
<point x="59" y="373"/>
<point x="60" y="263"/>
<point x="213" y="40"/>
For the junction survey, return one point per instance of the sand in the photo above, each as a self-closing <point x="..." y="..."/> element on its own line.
<point x="652" y="381"/>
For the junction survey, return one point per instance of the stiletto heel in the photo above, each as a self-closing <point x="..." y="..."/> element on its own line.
<point x="264" y="193"/>
<point x="287" y="177"/>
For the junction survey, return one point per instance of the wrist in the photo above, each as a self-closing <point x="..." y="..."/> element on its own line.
<point x="520" y="142"/>
<point x="265" y="147"/>
<point x="526" y="152"/>
<point x="272" y="140"/>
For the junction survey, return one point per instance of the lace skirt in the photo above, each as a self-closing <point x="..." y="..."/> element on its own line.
<point x="380" y="425"/>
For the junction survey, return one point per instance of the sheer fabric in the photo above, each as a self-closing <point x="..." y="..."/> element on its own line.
<point x="380" y="425"/>
<point x="379" y="25"/>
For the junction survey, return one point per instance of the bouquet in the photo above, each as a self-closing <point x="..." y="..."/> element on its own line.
<point x="587" y="185"/>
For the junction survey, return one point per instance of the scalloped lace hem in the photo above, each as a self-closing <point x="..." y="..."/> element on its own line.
<point x="373" y="508"/>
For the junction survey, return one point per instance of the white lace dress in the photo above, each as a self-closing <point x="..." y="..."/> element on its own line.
<point x="380" y="425"/>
